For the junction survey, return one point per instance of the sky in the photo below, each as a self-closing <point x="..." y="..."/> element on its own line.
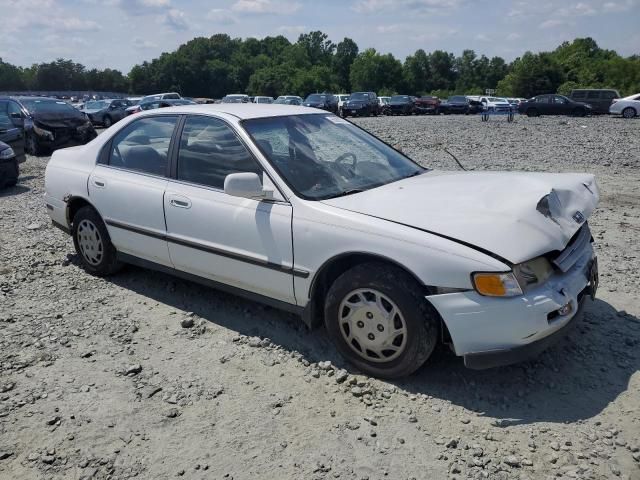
<point x="121" y="33"/>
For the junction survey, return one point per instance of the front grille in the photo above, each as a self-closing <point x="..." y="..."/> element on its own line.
<point x="573" y="251"/>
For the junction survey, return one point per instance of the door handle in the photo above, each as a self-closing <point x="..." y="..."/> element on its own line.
<point x="180" y="203"/>
<point x="98" y="182"/>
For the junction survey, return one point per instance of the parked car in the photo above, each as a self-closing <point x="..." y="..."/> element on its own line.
<point x="51" y="124"/>
<point x="341" y="98"/>
<point x="456" y="104"/>
<point x="495" y="105"/>
<point x="260" y="99"/>
<point x="325" y="101"/>
<point x="204" y="100"/>
<point x="153" y="104"/>
<point x="400" y="105"/>
<point x="160" y="96"/>
<point x="628" y="107"/>
<point x="497" y="279"/>
<point x="600" y="99"/>
<point x="361" y="104"/>
<point x="551" y="104"/>
<point x="236" y="98"/>
<point x="9" y="169"/>
<point x="382" y="101"/>
<point x="427" y="105"/>
<point x="289" y="100"/>
<point x="106" y="112"/>
<point x="13" y="137"/>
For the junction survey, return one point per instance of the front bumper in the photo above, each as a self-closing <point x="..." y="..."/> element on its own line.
<point x="67" y="137"/>
<point x="489" y="331"/>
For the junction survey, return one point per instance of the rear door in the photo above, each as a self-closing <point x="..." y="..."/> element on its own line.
<point x="245" y="243"/>
<point x="12" y="128"/>
<point x="128" y="185"/>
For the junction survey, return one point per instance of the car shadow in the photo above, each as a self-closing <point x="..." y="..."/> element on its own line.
<point x="574" y="380"/>
<point x="15" y="190"/>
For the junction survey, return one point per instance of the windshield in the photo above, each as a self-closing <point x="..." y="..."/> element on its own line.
<point x="316" y="98"/>
<point x="323" y="156"/>
<point x="400" y="98"/>
<point x="359" y="96"/>
<point x="48" y="106"/>
<point x="96" y="105"/>
<point x="458" y="98"/>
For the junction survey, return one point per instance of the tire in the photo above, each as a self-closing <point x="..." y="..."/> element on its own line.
<point x="32" y="146"/>
<point x="579" y="112"/>
<point x="93" y="244"/>
<point x="107" y="122"/>
<point x="629" y="112"/>
<point x="532" y="112"/>
<point x="405" y="352"/>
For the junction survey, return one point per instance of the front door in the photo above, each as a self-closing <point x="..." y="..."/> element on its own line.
<point x="240" y="242"/>
<point x="12" y="128"/>
<point x="128" y="185"/>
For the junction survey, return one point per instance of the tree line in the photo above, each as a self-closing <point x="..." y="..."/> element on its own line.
<point x="218" y="65"/>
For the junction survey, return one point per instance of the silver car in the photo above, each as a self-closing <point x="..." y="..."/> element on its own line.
<point x="106" y="112"/>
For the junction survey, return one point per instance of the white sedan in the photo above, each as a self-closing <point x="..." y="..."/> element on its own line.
<point x="628" y="107"/>
<point x="303" y="210"/>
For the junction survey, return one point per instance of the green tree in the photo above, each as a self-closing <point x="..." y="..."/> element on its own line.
<point x="373" y="72"/>
<point x="318" y="47"/>
<point x="346" y="53"/>
<point x="416" y="73"/>
<point x="531" y="75"/>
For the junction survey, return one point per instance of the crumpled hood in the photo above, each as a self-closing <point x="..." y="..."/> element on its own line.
<point x="59" y="121"/>
<point x="515" y="215"/>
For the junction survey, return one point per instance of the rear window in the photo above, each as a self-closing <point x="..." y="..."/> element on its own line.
<point x="610" y="94"/>
<point x="171" y="96"/>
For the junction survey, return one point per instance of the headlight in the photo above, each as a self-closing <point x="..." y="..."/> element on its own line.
<point x="42" y="132"/>
<point x="532" y="273"/>
<point x="494" y="284"/>
<point x="7" y="153"/>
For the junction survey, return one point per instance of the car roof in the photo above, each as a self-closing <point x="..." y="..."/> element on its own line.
<point x="243" y="111"/>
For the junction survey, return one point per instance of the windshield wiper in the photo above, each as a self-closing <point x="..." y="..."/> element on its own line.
<point x="348" y="192"/>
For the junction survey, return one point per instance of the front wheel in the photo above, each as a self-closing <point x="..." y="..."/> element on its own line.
<point x="579" y="112"/>
<point x="377" y="316"/>
<point x="628" y="112"/>
<point x="532" y="112"/>
<point x="93" y="244"/>
<point x="107" y="122"/>
<point x="32" y="145"/>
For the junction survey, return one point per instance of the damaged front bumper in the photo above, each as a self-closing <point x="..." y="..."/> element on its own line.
<point x="490" y="332"/>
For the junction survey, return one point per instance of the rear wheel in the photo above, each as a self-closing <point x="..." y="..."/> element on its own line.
<point x="629" y="112"/>
<point x="380" y="321"/>
<point x="93" y="244"/>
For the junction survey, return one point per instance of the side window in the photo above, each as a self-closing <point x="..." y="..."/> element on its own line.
<point x="578" y="94"/>
<point x="593" y="95"/>
<point x="609" y="95"/>
<point x="143" y="145"/>
<point x="5" y="121"/>
<point x="559" y="100"/>
<point x="209" y="151"/>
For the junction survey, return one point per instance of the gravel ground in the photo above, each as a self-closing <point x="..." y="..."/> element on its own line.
<point x="143" y="375"/>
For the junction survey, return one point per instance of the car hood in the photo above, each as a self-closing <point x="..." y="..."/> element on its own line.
<point x="517" y="216"/>
<point x="91" y="111"/>
<point x="59" y="121"/>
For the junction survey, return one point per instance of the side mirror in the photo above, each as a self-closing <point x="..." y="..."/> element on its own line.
<point x="246" y="185"/>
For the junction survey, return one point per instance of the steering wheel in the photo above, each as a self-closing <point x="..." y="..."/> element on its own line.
<point x="344" y="156"/>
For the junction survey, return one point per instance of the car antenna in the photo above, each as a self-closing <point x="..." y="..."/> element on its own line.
<point x="455" y="158"/>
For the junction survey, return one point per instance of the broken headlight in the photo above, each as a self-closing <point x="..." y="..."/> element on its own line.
<point x="533" y="272"/>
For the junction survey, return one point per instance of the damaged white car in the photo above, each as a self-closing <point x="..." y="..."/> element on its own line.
<point x="305" y="211"/>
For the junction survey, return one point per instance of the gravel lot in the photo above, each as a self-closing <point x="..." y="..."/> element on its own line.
<point x="143" y="375"/>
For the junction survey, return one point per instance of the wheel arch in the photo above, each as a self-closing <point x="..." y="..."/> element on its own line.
<point x="335" y="266"/>
<point x="75" y="203"/>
